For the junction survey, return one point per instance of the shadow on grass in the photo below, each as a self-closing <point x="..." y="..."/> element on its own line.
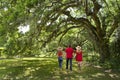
<point x="47" y="69"/>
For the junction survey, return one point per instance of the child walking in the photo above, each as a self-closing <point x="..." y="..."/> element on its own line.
<point x="60" y="56"/>
<point x="79" y="56"/>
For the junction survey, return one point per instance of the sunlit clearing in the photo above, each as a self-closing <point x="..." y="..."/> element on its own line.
<point x="24" y="29"/>
<point x="5" y="9"/>
<point x="98" y="75"/>
<point x="27" y="72"/>
<point x="2" y="67"/>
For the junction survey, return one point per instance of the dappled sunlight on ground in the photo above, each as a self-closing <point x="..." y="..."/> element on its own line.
<point x="47" y="69"/>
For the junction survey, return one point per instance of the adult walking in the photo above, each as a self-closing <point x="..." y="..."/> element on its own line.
<point x="79" y="56"/>
<point x="69" y="55"/>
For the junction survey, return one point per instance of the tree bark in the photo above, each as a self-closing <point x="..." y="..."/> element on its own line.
<point x="103" y="49"/>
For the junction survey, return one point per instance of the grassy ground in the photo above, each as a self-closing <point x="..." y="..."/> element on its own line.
<point x="47" y="69"/>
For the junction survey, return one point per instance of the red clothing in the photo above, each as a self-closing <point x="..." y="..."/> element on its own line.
<point x="59" y="53"/>
<point x="69" y="52"/>
<point x="79" y="56"/>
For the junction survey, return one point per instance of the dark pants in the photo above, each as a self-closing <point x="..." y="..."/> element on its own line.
<point x="67" y="62"/>
<point x="60" y="60"/>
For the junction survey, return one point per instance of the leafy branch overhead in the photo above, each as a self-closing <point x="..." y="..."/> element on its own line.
<point x="51" y="20"/>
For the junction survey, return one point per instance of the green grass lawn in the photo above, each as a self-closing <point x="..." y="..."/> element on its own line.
<point x="47" y="69"/>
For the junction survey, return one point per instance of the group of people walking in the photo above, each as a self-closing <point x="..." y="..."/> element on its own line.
<point x="70" y="53"/>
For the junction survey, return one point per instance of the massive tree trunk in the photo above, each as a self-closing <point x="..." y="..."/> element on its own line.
<point x="103" y="49"/>
<point x="100" y="41"/>
<point x="99" y="32"/>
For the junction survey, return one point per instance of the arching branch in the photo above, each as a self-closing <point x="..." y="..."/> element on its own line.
<point x="85" y="22"/>
<point x="65" y="31"/>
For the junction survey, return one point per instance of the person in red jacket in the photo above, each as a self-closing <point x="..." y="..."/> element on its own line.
<point x="69" y="55"/>
<point x="60" y="56"/>
<point x="79" y="56"/>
